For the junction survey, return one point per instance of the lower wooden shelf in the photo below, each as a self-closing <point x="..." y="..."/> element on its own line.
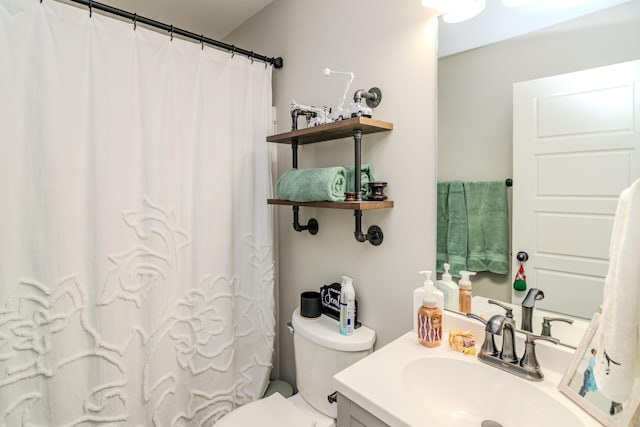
<point x="357" y="205"/>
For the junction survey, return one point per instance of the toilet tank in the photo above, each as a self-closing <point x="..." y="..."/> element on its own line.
<point x="321" y="352"/>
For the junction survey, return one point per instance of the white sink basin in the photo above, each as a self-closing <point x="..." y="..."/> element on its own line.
<point x="466" y="394"/>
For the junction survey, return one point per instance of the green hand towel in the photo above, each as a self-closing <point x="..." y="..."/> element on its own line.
<point x="451" y="240"/>
<point x="488" y="226"/>
<point x="312" y="185"/>
<point x="366" y="176"/>
<point x="442" y="225"/>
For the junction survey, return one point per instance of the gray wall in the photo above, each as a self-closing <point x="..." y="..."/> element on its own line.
<point x="475" y="97"/>
<point x="391" y="45"/>
<point x="386" y="44"/>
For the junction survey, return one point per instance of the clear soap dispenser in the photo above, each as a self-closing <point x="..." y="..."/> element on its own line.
<point x="449" y="288"/>
<point x="430" y="287"/>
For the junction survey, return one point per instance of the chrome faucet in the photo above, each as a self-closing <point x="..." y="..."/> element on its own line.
<point x="508" y="353"/>
<point x="489" y="344"/>
<point x="507" y="328"/>
<point x="527" y="367"/>
<point x="501" y="325"/>
<point x="528" y="303"/>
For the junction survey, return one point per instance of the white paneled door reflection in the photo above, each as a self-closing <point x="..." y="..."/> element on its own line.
<point x="576" y="146"/>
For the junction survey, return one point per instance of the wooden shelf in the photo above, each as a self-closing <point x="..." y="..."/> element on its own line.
<point x="335" y="130"/>
<point x="353" y="128"/>
<point x="361" y="205"/>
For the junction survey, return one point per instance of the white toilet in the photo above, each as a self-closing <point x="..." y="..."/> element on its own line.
<point x="320" y="352"/>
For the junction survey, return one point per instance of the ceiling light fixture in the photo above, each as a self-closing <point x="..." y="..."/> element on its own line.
<point x="517" y="3"/>
<point x="465" y="12"/>
<point x="444" y="6"/>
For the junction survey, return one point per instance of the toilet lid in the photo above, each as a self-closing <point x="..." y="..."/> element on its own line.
<point x="272" y="411"/>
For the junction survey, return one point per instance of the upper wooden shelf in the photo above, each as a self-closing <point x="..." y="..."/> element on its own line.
<point x="357" y="205"/>
<point x="335" y="130"/>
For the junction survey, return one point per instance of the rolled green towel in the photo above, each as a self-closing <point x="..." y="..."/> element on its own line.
<point x="366" y="176"/>
<point x="313" y="185"/>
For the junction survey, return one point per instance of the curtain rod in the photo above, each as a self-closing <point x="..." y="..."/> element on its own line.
<point x="276" y="62"/>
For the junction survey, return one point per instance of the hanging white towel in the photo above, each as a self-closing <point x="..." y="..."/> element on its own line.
<point x="619" y="340"/>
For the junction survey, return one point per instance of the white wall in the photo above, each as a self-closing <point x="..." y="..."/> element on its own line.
<point x="475" y="97"/>
<point x="390" y="45"/>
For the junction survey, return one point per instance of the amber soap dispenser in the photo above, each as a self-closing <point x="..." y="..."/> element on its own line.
<point x="430" y="322"/>
<point x="464" y="299"/>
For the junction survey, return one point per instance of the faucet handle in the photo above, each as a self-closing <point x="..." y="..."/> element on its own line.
<point x="531" y="337"/>
<point x="475" y="316"/>
<point x="546" y="324"/>
<point x="529" y="360"/>
<point x="508" y="310"/>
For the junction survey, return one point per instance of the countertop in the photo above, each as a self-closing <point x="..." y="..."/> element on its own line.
<point x="375" y="382"/>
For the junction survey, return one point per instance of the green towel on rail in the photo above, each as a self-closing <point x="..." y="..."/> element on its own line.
<point x="452" y="229"/>
<point x="488" y="226"/>
<point x="313" y="185"/>
<point x="366" y="176"/>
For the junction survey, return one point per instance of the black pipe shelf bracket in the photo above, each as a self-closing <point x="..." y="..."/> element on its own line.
<point x="355" y="128"/>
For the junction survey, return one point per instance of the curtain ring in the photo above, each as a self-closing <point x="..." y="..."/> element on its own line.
<point x="233" y="50"/>
<point x="171" y="32"/>
<point x="90" y="8"/>
<point x="202" y="41"/>
<point x="135" y="21"/>
<point x="251" y="56"/>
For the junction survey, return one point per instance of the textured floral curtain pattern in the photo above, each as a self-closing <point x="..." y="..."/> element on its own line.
<point x="136" y="252"/>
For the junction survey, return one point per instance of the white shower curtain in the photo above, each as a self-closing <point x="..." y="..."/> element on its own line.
<point x="136" y="247"/>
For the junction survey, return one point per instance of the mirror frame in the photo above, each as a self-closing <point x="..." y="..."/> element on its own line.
<point x="630" y="407"/>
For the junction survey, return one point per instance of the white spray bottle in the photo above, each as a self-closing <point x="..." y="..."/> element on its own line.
<point x="347" y="306"/>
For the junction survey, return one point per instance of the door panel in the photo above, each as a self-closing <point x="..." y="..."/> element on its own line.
<point x="576" y="147"/>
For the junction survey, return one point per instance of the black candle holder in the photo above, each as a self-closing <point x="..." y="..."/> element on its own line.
<point x="377" y="191"/>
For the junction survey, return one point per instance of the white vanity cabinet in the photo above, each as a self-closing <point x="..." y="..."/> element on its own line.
<point x="352" y="415"/>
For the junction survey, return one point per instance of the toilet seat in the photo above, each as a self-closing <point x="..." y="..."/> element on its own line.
<point x="272" y="411"/>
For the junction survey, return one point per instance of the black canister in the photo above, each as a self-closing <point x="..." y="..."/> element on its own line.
<point x="310" y="304"/>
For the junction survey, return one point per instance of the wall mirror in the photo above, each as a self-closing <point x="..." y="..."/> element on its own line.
<point x="579" y="384"/>
<point x="475" y="132"/>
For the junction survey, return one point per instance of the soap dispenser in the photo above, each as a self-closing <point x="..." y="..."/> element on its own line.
<point x="429" y="321"/>
<point x="449" y="288"/>
<point x="420" y="293"/>
<point x="464" y="303"/>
